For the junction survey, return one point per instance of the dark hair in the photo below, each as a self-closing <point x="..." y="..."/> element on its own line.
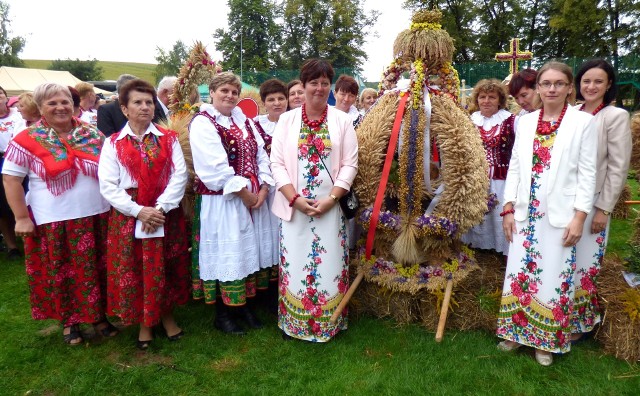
<point x="75" y="96"/>
<point x="273" y="86"/>
<point x="525" y="78"/>
<point x="611" y="93"/>
<point x="348" y="84"/>
<point x="3" y="91"/>
<point x="316" y="68"/>
<point x="137" y="85"/>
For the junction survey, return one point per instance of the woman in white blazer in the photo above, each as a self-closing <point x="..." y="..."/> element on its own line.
<point x="548" y="194"/>
<point x="596" y="86"/>
<point x="314" y="159"/>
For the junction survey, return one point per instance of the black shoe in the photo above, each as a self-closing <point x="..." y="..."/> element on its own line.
<point x="14" y="254"/>
<point x="143" y="345"/>
<point x="224" y="323"/>
<point x="176" y="337"/>
<point x="245" y="313"/>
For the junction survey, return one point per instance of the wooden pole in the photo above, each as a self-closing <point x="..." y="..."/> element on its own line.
<point x="346" y="298"/>
<point x="444" y="310"/>
<point x="632" y="202"/>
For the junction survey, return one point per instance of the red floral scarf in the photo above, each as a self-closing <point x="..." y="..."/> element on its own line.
<point x="148" y="161"/>
<point x="57" y="161"/>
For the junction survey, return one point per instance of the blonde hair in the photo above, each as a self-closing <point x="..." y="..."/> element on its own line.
<point x="225" y="78"/>
<point x="365" y="92"/>
<point x="488" y="85"/>
<point x="84" y="88"/>
<point x="28" y="104"/>
<point x="562" y="68"/>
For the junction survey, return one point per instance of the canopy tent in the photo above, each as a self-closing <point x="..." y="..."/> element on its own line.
<point x="16" y="80"/>
<point x="203" y="89"/>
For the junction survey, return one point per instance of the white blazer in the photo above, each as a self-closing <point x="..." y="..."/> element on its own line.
<point x="572" y="173"/>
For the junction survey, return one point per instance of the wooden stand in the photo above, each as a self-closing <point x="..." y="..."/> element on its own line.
<point x="346" y="298"/>
<point x="444" y="311"/>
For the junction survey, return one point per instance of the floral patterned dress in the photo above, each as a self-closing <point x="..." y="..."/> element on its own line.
<point x="314" y="272"/>
<point x="537" y="296"/>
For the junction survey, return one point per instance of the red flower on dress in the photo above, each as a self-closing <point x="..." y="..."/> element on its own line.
<point x="532" y="266"/>
<point x="314" y="171"/>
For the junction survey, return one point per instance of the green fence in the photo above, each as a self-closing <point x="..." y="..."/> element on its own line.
<point x="628" y="69"/>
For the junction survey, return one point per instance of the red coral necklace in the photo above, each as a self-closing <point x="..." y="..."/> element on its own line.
<point x="546" y="127"/>
<point x="315" y="124"/>
<point x="597" y="110"/>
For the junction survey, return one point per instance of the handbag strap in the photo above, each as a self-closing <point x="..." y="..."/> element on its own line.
<point x="393" y="141"/>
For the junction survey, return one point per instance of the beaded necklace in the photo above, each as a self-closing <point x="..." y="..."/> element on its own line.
<point x="597" y="110"/>
<point x="546" y="127"/>
<point x="315" y="124"/>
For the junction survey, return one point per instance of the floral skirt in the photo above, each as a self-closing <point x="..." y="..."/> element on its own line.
<point x="146" y="277"/>
<point x="65" y="262"/>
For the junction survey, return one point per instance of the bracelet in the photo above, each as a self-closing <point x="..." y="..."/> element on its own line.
<point x="506" y="212"/>
<point x="333" y="197"/>
<point x="293" y="200"/>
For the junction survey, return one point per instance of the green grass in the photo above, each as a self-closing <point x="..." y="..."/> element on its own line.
<point x="110" y="70"/>
<point x="373" y="357"/>
<point x="622" y="229"/>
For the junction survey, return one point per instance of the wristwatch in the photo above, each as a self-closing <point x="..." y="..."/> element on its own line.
<point x="159" y="208"/>
<point x="333" y="197"/>
<point x="606" y="213"/>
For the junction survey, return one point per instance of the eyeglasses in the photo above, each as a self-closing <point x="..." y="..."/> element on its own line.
<point x="557" y="84"/>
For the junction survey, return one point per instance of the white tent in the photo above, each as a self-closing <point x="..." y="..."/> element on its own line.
<point x="16" y="80"/>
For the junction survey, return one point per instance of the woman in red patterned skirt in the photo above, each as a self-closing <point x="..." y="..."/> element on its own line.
<point x="143" y="176"/>
<point x="63" y="217"/>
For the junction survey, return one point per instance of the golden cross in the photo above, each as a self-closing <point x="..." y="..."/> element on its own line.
<point x="514" y="56"/>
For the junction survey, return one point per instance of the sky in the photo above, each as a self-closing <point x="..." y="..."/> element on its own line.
<point x="131" y="30"/>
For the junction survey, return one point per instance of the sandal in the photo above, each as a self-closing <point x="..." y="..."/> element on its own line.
<point x="74" y="334"/>
<point x="106" y="329"/>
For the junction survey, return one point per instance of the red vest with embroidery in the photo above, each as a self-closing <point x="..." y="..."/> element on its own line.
<point x="498" y="146"/>
<point x="241" y="154"/>
<point x="265" y="136"/>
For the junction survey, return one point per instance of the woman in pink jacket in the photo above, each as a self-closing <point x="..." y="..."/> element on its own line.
<point x="314" y="159"/>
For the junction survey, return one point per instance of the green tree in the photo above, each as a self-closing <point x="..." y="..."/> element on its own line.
<point x="10" y="47"/>
<point x="84" y="70"/>
<point x="330" y="29"/>
<point x="253" y="33"/>
<point x="500" y="21"/>
<point x="582" y="28"/>
<point x="169" y="62"/>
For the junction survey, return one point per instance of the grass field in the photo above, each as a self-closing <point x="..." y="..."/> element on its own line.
<point x="110" y="70"/>
<point x="372" y="357"/>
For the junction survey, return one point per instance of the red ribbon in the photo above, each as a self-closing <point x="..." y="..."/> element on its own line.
<point x="393" y="142"/>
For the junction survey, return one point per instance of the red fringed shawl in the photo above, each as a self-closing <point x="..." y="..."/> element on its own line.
<point x="57" y="161"/>
<point x="148" y="162"/>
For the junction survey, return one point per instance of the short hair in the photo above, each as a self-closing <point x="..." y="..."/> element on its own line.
<point x="525" y="78"/>
<point x="28" y="103"/>
<point x="46" y="90"/>
<point x="273" y="86"/>
<point x="84" y="88"/>
<point x="223" y="78"/>
<point x="137" y="85"/>
<point x="347" y="84"/>
<point x="123" y="80"/>
<point x="315" y="68"/>
<point x="562" y="68"/>
<point x="367" y="91"/>
<point x="292" y="84"/>
<point x="167" y="83"/>
<point x="3" y="91"/>
<point x="611" y="93"/>
<point x="75" y="96"/>
<point x="489" y="85"/>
